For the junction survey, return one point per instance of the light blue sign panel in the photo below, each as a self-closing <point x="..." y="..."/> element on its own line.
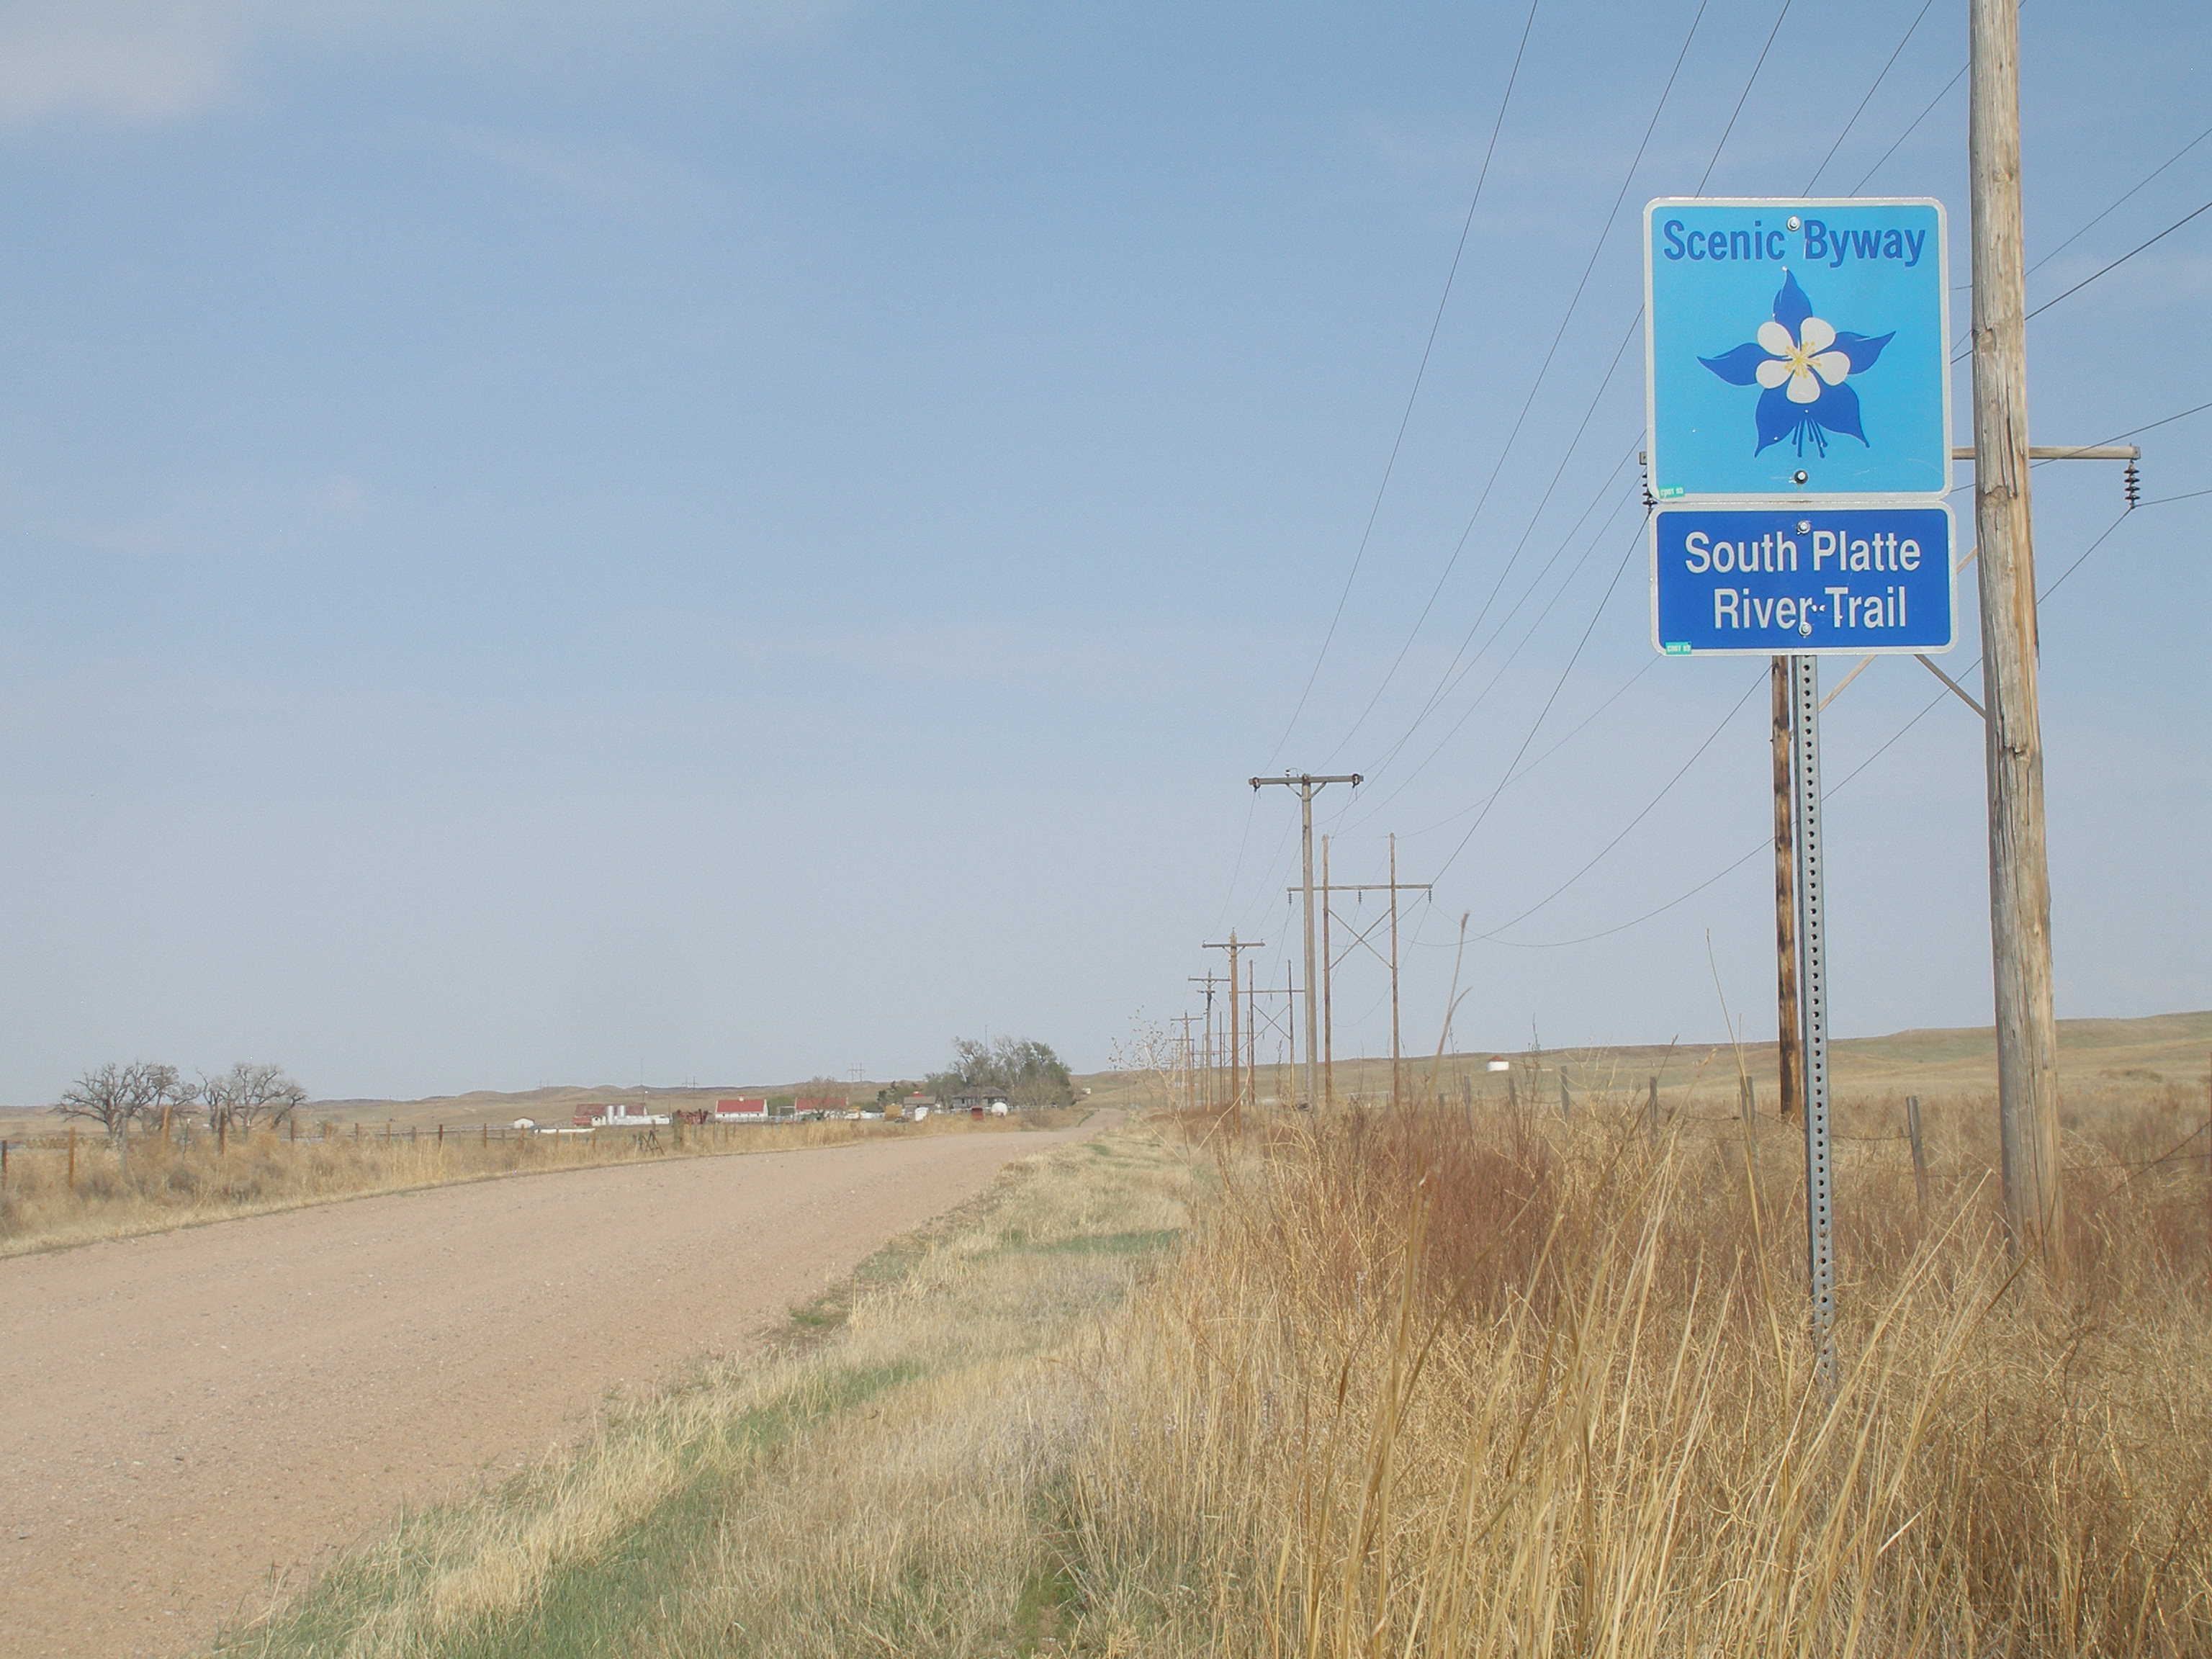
<point x="1800" y="578"/>
<point x="1783" y="337"/>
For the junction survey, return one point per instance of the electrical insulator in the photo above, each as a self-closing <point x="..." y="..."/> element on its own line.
<point x="2134" y="486"/>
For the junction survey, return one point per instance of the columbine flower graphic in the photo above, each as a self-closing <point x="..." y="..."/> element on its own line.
<point x="1804" y="365"/>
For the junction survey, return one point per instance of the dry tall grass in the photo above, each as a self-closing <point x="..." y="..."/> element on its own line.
<point x="1442" y="1382"/>
<point x="175" y="1182"/>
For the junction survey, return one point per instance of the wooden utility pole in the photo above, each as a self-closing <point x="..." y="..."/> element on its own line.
<point x="1189" y="1074"/>
<point x="2020" y="875"/>
<point x="1211" y="1091"/>
<point x="1328" y="891"/>
<point x="1306" y="783"/>
<point x="1788" y="1028"/>
<point x="1397" y="1064"/>
<point x="1236" y="947"/>
<point x="1327" y="979"/>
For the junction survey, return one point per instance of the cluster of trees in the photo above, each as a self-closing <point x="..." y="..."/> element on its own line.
<point x="1027" y="1072"/>
<point x="247" y="1095"/>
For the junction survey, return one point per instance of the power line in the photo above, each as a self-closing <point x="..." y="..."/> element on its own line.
<point x="1543" y="372"/>
<point x="1435" y="592"/>
<point x="1743" y="98"/>
<point x="1868" y="99"/>
<point x="1579" y="728"/>
<point x="1447" y="681"/>
<point x="1766" y="844"/>
<point x="1961" y="357"/>
<point x="1420" y="374"/>
<point x="1481" y="696"/>
<point x="1649" y="807"/>
<point x="1910" y="130"/>
<point x="2121" y="260"/>
<point x="1575" y="656"/>
<point x="2108" y="213"/>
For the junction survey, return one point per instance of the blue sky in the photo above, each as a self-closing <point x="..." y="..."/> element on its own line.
<point x="549" y="543"/>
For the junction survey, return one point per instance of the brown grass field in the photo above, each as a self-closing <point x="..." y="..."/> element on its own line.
<point x="180" y="1181"/>
<point x="1455" y="1378"/>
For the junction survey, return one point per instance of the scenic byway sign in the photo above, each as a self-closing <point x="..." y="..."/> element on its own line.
<point x="1799" y="579"/>
<point x="1798" y="410"/>
<point x="1797" y="348"/>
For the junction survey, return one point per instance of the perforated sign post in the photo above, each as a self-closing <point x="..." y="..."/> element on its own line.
<point x="1798" y="448"/>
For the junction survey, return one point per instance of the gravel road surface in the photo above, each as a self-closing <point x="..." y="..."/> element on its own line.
<point x="191" y="1420"/>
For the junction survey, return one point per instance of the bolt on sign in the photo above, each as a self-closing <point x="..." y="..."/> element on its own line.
<point x="1798" y="414"/>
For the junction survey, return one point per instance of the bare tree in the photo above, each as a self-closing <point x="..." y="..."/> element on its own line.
<point x="113" y="1094"/>
<point x="166" y="1090"/>
<point x="249" y="1094"/>
<point x="109" y="1096"/>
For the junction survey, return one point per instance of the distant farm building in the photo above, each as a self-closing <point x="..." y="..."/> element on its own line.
<point x="618" y="1116"/>
<point x="744" y="1106"/>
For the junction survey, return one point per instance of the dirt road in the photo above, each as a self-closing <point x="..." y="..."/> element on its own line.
<point x="188" y="1419"/>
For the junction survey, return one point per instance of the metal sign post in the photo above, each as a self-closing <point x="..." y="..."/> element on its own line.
<point x="1813" y="977"/>
<point x="1798" y="414"/>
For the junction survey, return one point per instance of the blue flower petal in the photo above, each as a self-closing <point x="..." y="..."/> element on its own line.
<point x="1791" y="308"/>
<point x="1861" y="350"/>
<point x="1738" y="367"/>
<point x="1837" y="408"/>
<point x="1777" y="415"/>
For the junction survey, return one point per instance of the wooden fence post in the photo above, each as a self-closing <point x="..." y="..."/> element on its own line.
<point x="1655" y="1108"/>
<point x="441" y="1137"/>
<point x="72" y="1168"/>
<point x="487" y="1137"/>
<point x="1566" y="1100"/>
<point x="1919" y="1154"/>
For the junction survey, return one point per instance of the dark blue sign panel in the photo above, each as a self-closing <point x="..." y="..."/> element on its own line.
<point x="1796" y="347"/>
<point x="1762" y="580"/>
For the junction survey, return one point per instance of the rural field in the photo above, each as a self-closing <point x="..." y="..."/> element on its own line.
<point x="200" y="1418"/>
<point x="1466" y="1376"/>
<point x="62" y="1188"/>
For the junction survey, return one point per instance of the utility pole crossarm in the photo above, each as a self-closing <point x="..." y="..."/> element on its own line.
<point x="2060" y="453"/>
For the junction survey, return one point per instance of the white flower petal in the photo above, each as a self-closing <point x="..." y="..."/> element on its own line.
<point x="1775" y="338"/>
<point x="1815" y="334"/>
<point x="1831" y="366"/>
<point x="1803" y="388"/>
<point x="1772" y="372"/>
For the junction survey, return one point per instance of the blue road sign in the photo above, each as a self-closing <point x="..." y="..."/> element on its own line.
<point x="1796" y="347"/>
<point x="1799" y="578"/>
